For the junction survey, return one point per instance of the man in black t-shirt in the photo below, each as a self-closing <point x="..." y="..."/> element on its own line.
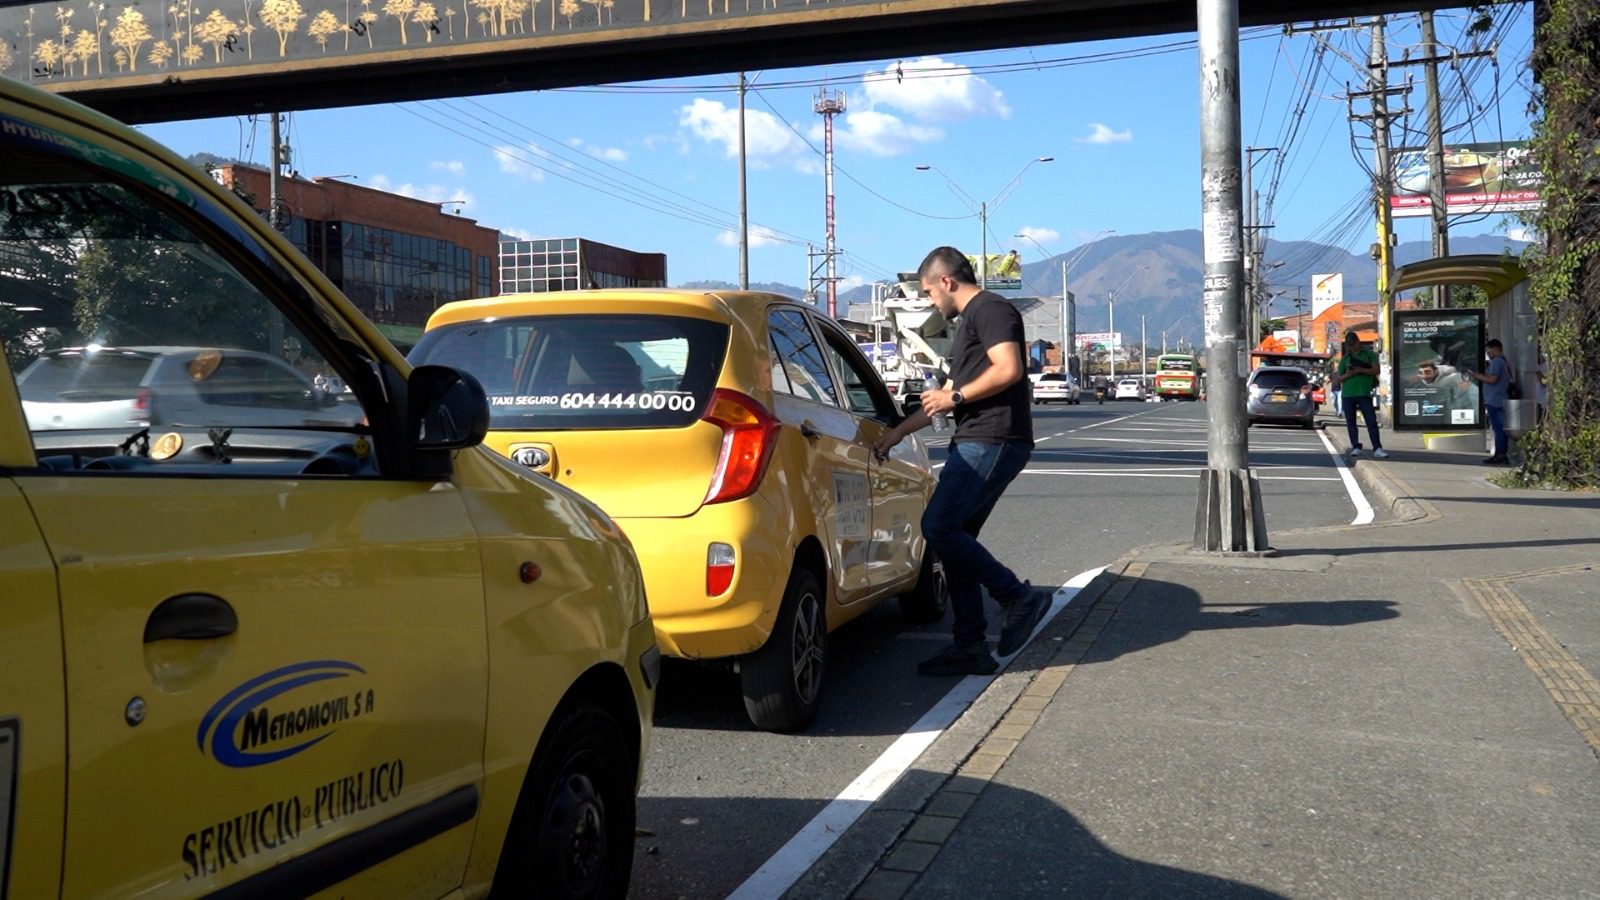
<point x="991" y="400"/>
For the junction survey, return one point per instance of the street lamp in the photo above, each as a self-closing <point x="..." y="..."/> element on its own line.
<point x="982" y="206"/>
<point x="1069" y="307"/>
<point x="1111" y="316"/>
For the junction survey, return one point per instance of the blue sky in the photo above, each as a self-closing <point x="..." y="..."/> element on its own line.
<point x="651" y="166"/>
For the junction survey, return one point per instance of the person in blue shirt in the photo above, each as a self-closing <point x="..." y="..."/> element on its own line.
<point x="1496" y="381"/>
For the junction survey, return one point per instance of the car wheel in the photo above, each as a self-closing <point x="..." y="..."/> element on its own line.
<point x="931" y="597"/>
<point x="782" y="681"/>
<point x="572" y="832"/>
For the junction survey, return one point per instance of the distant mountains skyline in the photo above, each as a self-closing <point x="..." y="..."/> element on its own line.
<point x="1158" y="275"/>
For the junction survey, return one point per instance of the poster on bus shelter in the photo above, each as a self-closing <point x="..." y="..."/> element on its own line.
<point x="1433" y="348"/>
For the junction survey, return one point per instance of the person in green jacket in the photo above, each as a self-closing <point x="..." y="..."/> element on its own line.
<point x="1355" y="381"/>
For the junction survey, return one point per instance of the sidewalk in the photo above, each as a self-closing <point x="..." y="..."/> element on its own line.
<point x="1407" y="708"/>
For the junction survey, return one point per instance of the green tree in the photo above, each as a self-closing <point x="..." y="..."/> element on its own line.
<point x="1565" y="271"/>
<point x="135" y="292"/>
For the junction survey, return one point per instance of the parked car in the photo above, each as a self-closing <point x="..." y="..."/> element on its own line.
<point x="1129" y="389"/>
<point x="1279" y="394"/>
<point x="1056" y="387"/>
<point x="259" y="645"/>
<point x="107" y="387"/>
<point x="731" y="436"/>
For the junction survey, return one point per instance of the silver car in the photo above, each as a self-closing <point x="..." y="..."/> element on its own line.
<point x="1280" y="394"/>
<point x="112" y="387"/>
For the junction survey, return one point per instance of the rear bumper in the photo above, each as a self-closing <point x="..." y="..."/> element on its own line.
<point x="672" y="556"/>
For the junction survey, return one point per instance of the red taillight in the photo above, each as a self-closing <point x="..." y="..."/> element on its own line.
<point x="749" y="433"/>
<point x="141" y="406"/>
<point x="719" y="569"/>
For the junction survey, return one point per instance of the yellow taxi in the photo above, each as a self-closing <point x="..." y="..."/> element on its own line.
<point x="730" y="434"/>
<point x="261" y="639"/>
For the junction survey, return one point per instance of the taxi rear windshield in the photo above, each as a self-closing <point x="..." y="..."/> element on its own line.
<point x="585" y="371"/>
<point x="1279" y="380"/>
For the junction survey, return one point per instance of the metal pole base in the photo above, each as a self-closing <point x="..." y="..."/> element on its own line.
<point x="1229" y="518"/>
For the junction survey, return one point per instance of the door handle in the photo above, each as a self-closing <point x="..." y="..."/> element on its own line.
<point x="190" y="617"/>
<point x="809" y="433"/>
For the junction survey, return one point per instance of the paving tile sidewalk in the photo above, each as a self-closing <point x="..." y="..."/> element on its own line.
<point x="1405" y="708"/>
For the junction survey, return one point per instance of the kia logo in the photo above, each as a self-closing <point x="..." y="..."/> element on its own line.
<point x="532" y="457"/>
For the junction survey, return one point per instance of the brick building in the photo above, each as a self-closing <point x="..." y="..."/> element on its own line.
<point x="572" y="264"/>
<point x="397" y="258"/>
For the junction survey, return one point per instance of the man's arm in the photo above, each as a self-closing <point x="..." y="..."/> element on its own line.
<point x="910" y="424"/>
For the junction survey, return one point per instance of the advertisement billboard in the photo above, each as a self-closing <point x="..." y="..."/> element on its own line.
<point x="1005" y="271"/>
<point x="1326" y="291"/>
<point x="1432" y="348"/>
<point x="1099" y="341"/>
<point x="1289" y="341"/>
<point x="1494" y="177"/>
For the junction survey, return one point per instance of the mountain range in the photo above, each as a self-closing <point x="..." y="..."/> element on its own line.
<point x="1158" y="275"/>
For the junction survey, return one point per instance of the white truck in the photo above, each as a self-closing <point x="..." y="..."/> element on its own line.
<point x="918" y="335"/>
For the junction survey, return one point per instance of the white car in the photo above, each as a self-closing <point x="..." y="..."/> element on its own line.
<point x="1129" y="389"/>
<point x="1055" y="387"/>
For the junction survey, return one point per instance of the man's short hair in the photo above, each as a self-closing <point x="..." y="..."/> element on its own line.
<point x="1350" y="337"/>
<point x="1494" y="344"/>
<point x="947" y="261"/>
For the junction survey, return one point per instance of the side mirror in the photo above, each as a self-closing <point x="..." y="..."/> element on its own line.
<point x="446" y="409"/>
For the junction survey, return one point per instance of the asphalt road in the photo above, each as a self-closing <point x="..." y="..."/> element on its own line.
<point x="720" y="798"/>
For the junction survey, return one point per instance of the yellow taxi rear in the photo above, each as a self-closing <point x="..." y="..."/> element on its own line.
<point x="744" y="478"/>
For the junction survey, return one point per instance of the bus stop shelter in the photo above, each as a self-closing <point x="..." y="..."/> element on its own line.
<point x="1508" y="317"/>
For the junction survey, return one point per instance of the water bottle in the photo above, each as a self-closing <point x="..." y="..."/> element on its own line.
<point x="941" y="422"/>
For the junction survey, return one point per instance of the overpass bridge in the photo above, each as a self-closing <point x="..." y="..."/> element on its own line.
<point x="157" y="61"/>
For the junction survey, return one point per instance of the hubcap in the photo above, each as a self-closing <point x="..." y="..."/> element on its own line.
<point x="941" y="585"/>
<point x="576" y="822"/>
<point x="808" y="647"/>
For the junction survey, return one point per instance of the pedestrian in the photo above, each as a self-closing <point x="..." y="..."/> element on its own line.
<point x="1496" y="381"/>
<point x="988" y="395"/>
<point x="1355" y="380"/>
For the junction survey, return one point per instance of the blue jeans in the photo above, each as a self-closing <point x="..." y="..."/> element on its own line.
<point x="1363" y="405"/>
<point x="974" y="477"/>
<point x="1497" y="424"/>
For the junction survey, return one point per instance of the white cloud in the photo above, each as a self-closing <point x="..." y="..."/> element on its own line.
<point x="1522" y="234"/>
<point x="767" y="138"/>
<point x="933" y="90"/>
<point x="609" y="154"/>
<point x="1102" y="134"/>
<point x="454" y="166"/>
<point x="850" y="283"/>
<point x="433" y="193"/>
<point x="880" y="133"/>
<point x="520" y="234"/>
<point x="1042" y="235"/>
<point x="759" y="237"/>
<point x="518" y="161"/>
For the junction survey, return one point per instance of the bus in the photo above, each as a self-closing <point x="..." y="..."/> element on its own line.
<point x="1177" y="377"/>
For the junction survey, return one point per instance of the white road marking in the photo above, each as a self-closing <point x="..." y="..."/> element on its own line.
<point x="1116" y="474"/>
<point x="1364" y="513"/>
<point x="794" y="858"/>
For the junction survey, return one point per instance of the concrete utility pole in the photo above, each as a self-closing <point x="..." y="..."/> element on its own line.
<point x="1441" y="220"/>
<point x="1379" y="68"/>
<point x="744" y="207"/>
<point x="1144" y="346"/>
<point x="274" y="190"/>
<point x="1229" y="517"/>
<point x="1069" y="324"/>
<point x="1111" y="326"/>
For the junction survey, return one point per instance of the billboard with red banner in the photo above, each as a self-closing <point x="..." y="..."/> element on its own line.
<point x="1496" y="177"/>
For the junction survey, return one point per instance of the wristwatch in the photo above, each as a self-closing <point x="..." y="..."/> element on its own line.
<point x="956" y="399"/>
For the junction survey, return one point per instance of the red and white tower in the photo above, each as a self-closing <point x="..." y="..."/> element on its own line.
<point x="829" y="106"/>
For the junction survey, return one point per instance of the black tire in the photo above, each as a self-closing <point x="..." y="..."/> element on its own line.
<point x="572" y="833"/>
<point x="782" y="681"/>
<point x="931" y="597"/>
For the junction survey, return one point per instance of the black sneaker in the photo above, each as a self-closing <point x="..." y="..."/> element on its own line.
<point x="954" y="660"/>
<point x="1021" y="617"/>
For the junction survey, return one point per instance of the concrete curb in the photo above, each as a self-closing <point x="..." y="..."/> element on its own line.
<point x="1398" y="499"/>
<point x="850" y="862"/>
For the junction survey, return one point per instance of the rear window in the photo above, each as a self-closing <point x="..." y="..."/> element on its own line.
<point x="1270" y="380"/>
<point x="585" y="372"/>
<point x="87" y="377"/>
<point x="1053" y="376"/>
